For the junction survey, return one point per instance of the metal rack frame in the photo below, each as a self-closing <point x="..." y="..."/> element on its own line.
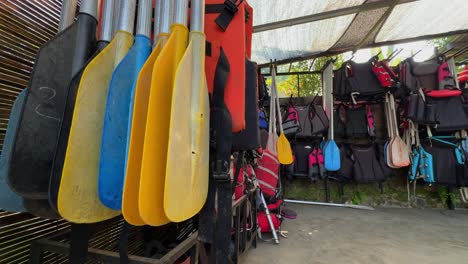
<point x="51" y="244"/>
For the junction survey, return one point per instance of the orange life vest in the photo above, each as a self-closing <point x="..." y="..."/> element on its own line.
<point x="225" y="27"/>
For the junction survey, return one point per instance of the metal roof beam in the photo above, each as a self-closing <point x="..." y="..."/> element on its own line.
<point x="293" y="73"/>
<point x="326" y="15"/>
<point x="377" y="26"/>
<point x="379" y="44"/>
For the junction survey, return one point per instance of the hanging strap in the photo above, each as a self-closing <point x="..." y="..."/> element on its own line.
<point x="217" y="233"/>
<point x="123" y="243"/>
<point x="79" y="238"/>
<point x="221" y="143"/>
<point x="239" y="165"/>
<point x="207" y="214"/>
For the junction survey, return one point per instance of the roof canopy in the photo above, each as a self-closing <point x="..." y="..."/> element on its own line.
<point x="291" y="30"/>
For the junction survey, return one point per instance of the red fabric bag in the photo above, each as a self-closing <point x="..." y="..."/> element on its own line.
<point x="267" y="173"/>
<point x="263" y="222"/>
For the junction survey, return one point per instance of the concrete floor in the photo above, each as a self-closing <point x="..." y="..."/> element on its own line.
<point x="341" y="235"/>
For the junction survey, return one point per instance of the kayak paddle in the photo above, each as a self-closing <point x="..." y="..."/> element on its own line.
<point x="282" y="144"/>
<point x="187" y="168"/>
<point x="153" y="170"/>
<point x="398" y="149"/>
<point x="40" y="208"/>
<point x="331" y="152"/>
<point x="138" y="121"/>
<point x="387" y="155"/>
<point x="118" y="112"/>
<point x="57" y="62"/>
<point x="78" y="200"/>
<point x="272" y="133"/>
<point x="9" y="200"/>
<point x="62" y="143"/>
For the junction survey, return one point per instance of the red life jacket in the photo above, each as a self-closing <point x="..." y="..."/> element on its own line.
<point x="225" y="29"/>
<point x="248" y="29"/>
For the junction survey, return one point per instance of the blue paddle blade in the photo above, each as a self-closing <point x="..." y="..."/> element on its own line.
<point x="332" y="160"/>
<point x="117" y="119"/>
<point x="10" y="201"/>
<point x="414" y="164"/>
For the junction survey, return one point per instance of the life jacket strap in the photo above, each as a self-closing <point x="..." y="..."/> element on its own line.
<point x="226" y="11"/>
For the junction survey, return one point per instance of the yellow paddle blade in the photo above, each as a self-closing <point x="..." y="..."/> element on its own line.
<point x="78" y="200"/>
<point x="135" y="152"/>
<point x="187" y="155"/>
<point x="153" y="167"/>
<point x="284" y="150"/>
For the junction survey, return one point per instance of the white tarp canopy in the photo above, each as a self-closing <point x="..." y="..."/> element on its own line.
<point x="299" y="29"/>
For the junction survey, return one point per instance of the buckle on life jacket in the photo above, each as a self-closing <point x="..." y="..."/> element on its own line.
<point x="226" y="16"/>
<point x="220" y="169"/>
<point x="230" y="6"/>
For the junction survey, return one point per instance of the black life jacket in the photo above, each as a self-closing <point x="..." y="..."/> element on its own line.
<point x="449" y="113"/>
<point x="424" y="74"/>
<point x="301" y="151"/>
<point x="345" y="173"/>
<point x="366" y="168"/>
<point x="313" y="120"/>
<point x="249" y="138"/>
<point x="357" y="80"/>
<point x="444" y="162"/>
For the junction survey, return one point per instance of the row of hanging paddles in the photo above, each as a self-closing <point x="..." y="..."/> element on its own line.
<point x="118" y="124"/>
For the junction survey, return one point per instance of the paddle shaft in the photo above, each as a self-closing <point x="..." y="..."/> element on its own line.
<point x="127" y="16"/>
<point x="180" y="12"/>
<point x="67" y="14"/>
<point x="144" y="18"/>
<point x="116" y="21"/>
<point x="197" y="20"/>
<point x="272" y="112"/>
<point x="106" y="22"/>
<point x="328" y="86"/>
<point x="394" y="116"/>
<point x="388" y="116"/>
<point x="167" y="10"/>
<point x="89" y="7"/>
<point x="157" y="20"/>
<point x="273" y="83"/>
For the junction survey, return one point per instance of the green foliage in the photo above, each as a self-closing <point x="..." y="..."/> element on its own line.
<point x="359" y="197"/>
<point x="303" y="84"/>
<point x="444" y="195"/>
<point x="441" y="42"/>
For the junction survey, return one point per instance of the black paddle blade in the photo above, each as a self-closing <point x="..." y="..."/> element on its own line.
<point x="62" y="142"/>
<point x="57" y="62"/>
<point x="40" y="208"/>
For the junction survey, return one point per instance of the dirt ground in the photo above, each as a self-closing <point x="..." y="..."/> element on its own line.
<point x="393" y="235"/>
